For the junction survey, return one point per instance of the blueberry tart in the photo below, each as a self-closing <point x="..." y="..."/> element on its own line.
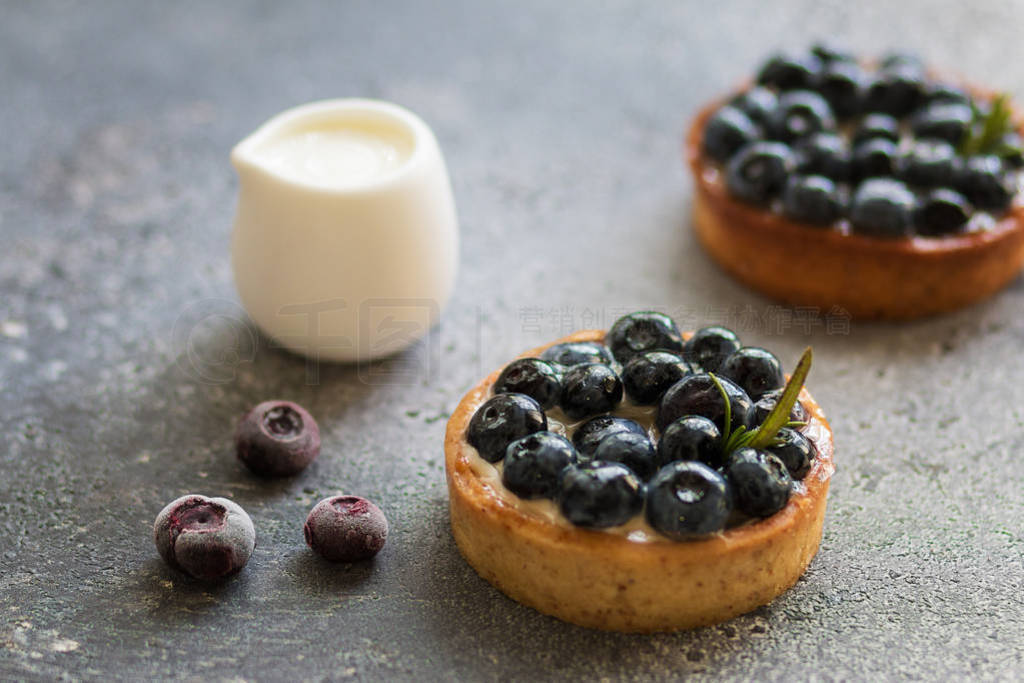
<point x="873" y="186"/>
<point x="678" y="480"/>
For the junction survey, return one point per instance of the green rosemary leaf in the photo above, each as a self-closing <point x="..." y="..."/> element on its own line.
<point x="764" y="435"/>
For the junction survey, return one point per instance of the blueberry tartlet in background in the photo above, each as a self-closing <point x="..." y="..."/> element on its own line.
<point x="874" y="186"/>
<point x="641" y="479"/>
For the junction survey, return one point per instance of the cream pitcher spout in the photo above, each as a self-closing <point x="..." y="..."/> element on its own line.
<point x="345" y="242"/>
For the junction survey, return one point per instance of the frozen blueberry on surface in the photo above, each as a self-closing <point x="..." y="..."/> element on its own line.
<point x="786" y="72"/>
<point x="345" y="529"/>
<point x="534" y="377"/>
<point x="691" y="437"/>
<point x="633" y="450"/>
<point x="277" y="439"/>
<point x="589" y="435"/>
<point x="766" y="404"/>
<point x="686" y="500"/>
<point x="882" y="207"/>
<point x="590" y="390"/>
<point x="941" y="212"/>
<point x="825" y="154"/>
<point x="649" y="375"/>
<point x="709" y="346"/>
<point x="599" y="495"/>
<point x="755" y="370"/>
<point x="577" y="353"/>
<point x="500" y="421"/>
<point x="643" y="331"/>
<point x="207" y="538"/>
<point x="757" y="173"/>
<point x="534" y="464"/>
<point x="812" y="199"/>
<point x="726" y="131"/>
<point x="800" y="113"/>
<point x="795" y="450"/>
<point x="983" y="182"/>
<point x="760" y="482"/>
<point x="757" y="103"/>
<point x="700" y="395"/>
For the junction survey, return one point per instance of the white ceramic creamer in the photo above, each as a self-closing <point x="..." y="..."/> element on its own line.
<point x="345" y="242"/>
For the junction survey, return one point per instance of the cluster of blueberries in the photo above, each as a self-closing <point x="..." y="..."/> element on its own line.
<point x="212" y="538"/>
<point x="683" y="480"/>
<point x="821" y="137"/>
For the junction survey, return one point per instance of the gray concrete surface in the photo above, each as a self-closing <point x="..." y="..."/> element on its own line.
<point x="124" y="359"/>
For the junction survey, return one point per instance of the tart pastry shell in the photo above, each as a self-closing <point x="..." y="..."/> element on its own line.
<point x="867" y="277"/>
<point x="607" y="581"/>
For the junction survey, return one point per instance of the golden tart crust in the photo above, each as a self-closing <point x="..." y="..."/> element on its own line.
<point x="607" y="581"/>
<point x="869" y="277"/>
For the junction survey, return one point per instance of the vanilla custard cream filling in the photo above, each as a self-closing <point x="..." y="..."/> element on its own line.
<point x="636" y="529"/>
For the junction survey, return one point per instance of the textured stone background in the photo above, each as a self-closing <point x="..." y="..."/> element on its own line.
<point x="124" y="359"/>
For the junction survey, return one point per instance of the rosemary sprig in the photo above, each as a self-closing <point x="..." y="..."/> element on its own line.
<point x="765" y="435"/>
<point x="986" y="132"/>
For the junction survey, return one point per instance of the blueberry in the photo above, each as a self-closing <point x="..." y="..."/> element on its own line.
<point x="576" y="353"/>
<point x="759" y="480"/>
<point x="897" y="92"/>
<point x="789" y="73"/>
<point x="936" y="93"/>
<point x="590" y="389"/>
<point x="277" y="439"/>
<point x="699" y="395"/>
<point x="345" y="529"/>
<point x="800" y="113"/>
<point x="635" y="451"/>
<point x="591" y="433"/>
<point x="688" y="499"/>
<point x="982" y="181"/>
<point x="757" y="103"/>
<point x="755" y="370"/>
<point x="709" y="346"/>
<point x="829" y="53"/>
<point x="643" y="331"/>
<point x="824" y="154"/>
<point x="726" y="131"/>
<point x="941" y="212"/>
<point x="902" y="61"/>
<point x="536" y="378"/>
<point x="928" y="163"/>
<point x="534" y="464"/>
<point x="766" y="404"/>
<point x="795" y="451"/>
<point x="877" y="126"/>
<point x="1011" y="150"/>
<point x="943" y="121"/>
<point x="691" y="437"/>
<point x="600" y="494"/>
<point x="207" y="538"/>
<point x="812" y="199"/>
<point x="842" y="84"/>
<point x="882" y="207"/>
<point x="874" y="158"/>
<point x="757" y="173"/>
<point x="649" y="375"/>
<point x="500" y="421"/>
